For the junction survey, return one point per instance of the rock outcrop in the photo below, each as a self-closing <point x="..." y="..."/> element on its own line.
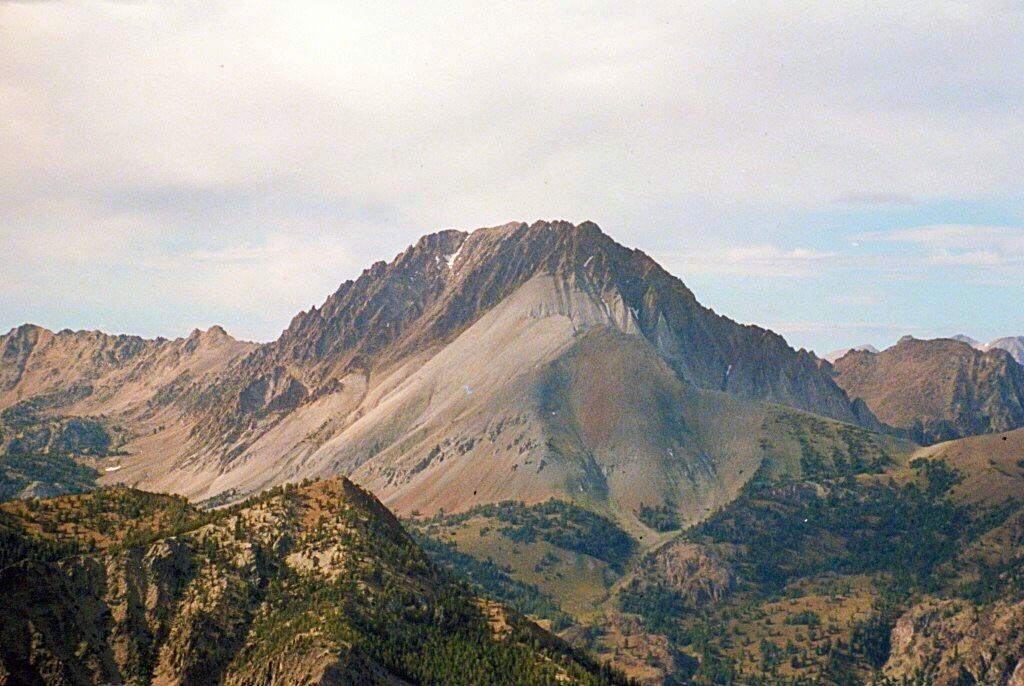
<point x="952" y="642"/>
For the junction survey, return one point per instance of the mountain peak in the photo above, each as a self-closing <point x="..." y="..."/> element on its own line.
<point x="963" y="338"/>
<point x="842" y="352"/>
<point x="937" y="389"/>
<point x="551" y="277"/>
<point x="1011" y="344"/>
<point x="26" y="328"/>
<point x="215" y="334"/>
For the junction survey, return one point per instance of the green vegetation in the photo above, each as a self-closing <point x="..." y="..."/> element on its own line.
<point x="564" y="525"/>
<point x="419" y="635"/>
<point x="293" y="574"/>
<point x="16" y="545"/>
<point x="804" y="618"/>
<point x="26" y="429"/>
<point x="661" y="517"/>
<point x="851" y="528"/>
<point x="493" y="581"/>
<point x="57" y="474"/>
<point x="828" y="449"/>
<point x="794" y="543"/>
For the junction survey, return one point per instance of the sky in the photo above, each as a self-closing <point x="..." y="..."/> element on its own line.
<point x="842" y="173"/>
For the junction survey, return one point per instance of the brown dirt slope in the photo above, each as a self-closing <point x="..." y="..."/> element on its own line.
<point x="937" y="390"/>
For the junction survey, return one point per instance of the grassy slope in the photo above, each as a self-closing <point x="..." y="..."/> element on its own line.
<point x="792" y="445"/>
<point x="826" y="566"/>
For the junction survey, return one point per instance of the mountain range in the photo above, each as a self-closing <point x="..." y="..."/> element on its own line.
<point x="467" y="349"/>
<point x="937" y="390"/>
<point x="1011" y="344"/>
<point x="837" y="354"/>
<point x="572" y="441"/>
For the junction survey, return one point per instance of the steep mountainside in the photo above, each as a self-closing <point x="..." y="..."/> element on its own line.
<point x="586" y="573"/>
<point x="1011" y="344"/>
<point x="312" y="584"/>
<point x="854" y="568"/>
<point x="938" y="389"/>
<point x="447" y="281"/>
<point x="459" y="353"/>
<point x="86" y="392"/>
<point x="88" y="372"/>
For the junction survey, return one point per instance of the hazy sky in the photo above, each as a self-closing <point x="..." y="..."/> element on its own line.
<point x="841" y="173"/>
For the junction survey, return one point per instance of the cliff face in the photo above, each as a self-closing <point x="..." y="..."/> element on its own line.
<point x="937" y="390"/>
<point x="317" y="584"/>
<point x="951" y="642"/>
<point x="473" y="297"/>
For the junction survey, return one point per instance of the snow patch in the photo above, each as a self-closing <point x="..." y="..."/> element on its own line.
<point x="113" y="469"/>
<point x="450" y="259"/>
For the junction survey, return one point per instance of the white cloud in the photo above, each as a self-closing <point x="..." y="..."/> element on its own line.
<point x="252" y="289"/>
<point x="857" y="299"/>
<point x="990" y="253"/>
<point x="748" y="260"/>
<point x="1009" y="239"/>
<point x="471" y="111"/>
<point x="877" y="198"/>
<point x="814" y="326"/>
<point x="278" y="273"/>
<point x="147" y="141"/>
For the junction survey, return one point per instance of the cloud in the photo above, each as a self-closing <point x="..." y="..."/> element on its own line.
<point x="814" y="326"/>
<point x="278" y="273"/>
<point x="867" y="198"/>
<point x="988" y="253"/>
<point x="221" y="141"/>
<point x="470" y="111"/>
<point x="992" y="252"/>
<point x="252" y="288"/>
<point x="857" y="299"/>
<point x="748" y="260"/>
<point x="955" y="236"/>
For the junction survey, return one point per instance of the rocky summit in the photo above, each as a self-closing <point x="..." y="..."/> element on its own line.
<point x="463" y="366"/>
